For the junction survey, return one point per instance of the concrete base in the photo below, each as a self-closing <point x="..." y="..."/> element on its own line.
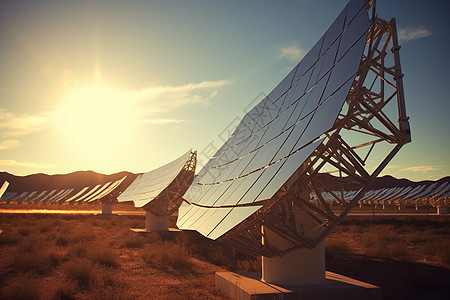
<point x="156" y="223"/>
<point x="107" y="209"/>
<point x="442" y="210"/>
<point x="337" y="287"/>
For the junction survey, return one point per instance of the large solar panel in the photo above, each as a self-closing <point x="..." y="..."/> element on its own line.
<point x="146" y="187"/>
<point x="274" y="139"/>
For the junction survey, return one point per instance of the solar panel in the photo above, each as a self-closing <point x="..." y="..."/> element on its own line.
<point x="108" y="189"/>
<point x="3" y="188"/>
<point x="88" y="193"/>
<point x="8" y="196"/>
<point x="97" y="192"/>
<point x="280" y="133"/>
<point x="150" y="185"/>
<point x="78" y="194"/>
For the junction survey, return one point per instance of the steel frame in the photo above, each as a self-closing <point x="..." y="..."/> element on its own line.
<point x="364" y="113"/>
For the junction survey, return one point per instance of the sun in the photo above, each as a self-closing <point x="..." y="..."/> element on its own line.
<point x="96" y="119"/>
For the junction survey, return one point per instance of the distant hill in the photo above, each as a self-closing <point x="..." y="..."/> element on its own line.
<point x="387" y="181"/>
<point x="80" y="179"/>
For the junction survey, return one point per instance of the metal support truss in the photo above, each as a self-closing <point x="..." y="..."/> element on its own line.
<point x="298" y="219"/>
<point x="170" y="199"/>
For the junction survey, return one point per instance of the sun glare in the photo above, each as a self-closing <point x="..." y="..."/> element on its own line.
<point x="96" y="118"/>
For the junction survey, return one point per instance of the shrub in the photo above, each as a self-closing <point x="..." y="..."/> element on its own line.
<point x="103" y="255"/>
<point x="133" y="241"/>
<point x="166" y="254"/>
<point x="81" y="271"/>
<point x="107" y="285"/>
<point x="23" y="287"/>
<point x="8" y="237"/>
<point x="336" y="245"/>
<point x="40" y="262"/>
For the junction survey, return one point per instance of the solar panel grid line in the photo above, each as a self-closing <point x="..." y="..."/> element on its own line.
<point x="62" y="196"/>
<point x="8" y="196"/>
<point x="97" y="192"/>
<point x="412" y="192"/>
<point x="47" y="196"/>
<point x="77" y="194"/>
<point x="425" y="192"/>
<point x="107" y="191"/>
<point x="360" y="38"/>
<point x="257" y="169"/>
<point x="37" y="197"/>
<point x="438" y="189"/>
<point x="386" y="193"/>
<point x="389" y="194"/>
<point x="199" y="218"/>
<point x="55" y="196"/>
<point x="87" y="194"/>
<point x="29" y="196"/>
<point x="402" y="192"/>
<point x="20" y="197"/>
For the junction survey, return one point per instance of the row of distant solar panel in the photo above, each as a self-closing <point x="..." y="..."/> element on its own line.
<point x="281" y="132"/>
<point x="86" y="194"/>
<point x="395" y="193"/>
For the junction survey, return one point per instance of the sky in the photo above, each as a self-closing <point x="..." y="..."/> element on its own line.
<point x="115" y="86"/>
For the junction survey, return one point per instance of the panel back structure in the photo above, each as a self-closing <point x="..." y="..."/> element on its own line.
<point x="328" y="115"/>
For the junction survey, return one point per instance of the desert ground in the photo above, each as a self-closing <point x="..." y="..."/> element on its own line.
<point x="74" y="256"/>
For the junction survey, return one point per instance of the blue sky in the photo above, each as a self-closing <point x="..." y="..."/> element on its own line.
<point x="165" y="76"/>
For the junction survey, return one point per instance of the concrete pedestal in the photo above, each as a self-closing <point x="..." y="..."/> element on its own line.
<point x="107" y="209"/>
<point x="298" y="267"/>
<point x="156" y="223"/>
<point x="442" y="210"/>
<point x="337" y="287"/>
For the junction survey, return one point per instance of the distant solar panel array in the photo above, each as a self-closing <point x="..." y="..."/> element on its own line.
<point x="69" y="195"/>
<point x="393" y="196"/>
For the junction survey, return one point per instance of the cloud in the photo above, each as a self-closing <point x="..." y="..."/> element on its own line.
<point x="21" y="124"/>
<point x="409" y="33"/>
<point x="14" y="163"/>
<point x="291" y="52"/>
<point x="8" y="144"/>
<point x="422" y="169"/>
<point x="166" y="98"/>
<point x="161" y="121"/>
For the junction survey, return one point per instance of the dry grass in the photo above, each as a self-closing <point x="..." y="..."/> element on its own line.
<point x="400" y="239"/>
<point x="86" y="257"/>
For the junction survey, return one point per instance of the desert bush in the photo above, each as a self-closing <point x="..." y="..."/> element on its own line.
<point x="217" y="257"/>
<point x="107" y="285"/>
<point x="133" y="241"/>
<point x="40" y="261"/>
<point x="336" y="245"/>
<point x="81" y="271"/>
<point x="25" y="231"/>
<point x="103" y="255"/>
<point x="62" y="240"/>
<point x="9" y="238"/>
<point x="166" y="254"/>
<point x="65" y="290"/>
<point x="78" y="249"/>
<point x="23" y="287"/>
